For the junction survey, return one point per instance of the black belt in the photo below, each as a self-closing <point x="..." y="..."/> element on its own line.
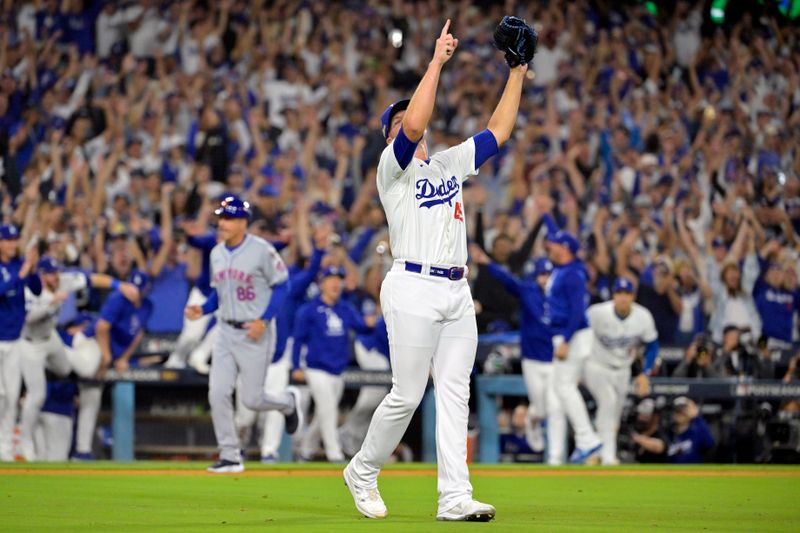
<point x="453" y="273"/>
<point x="236" y="324"/>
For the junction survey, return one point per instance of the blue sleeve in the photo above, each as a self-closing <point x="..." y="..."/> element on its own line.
<point x="278" y="245"/>
<point x="203" y="242"/>
<point x="112" y="309"/>
<point x="303" y="279"/>
<point x="34" y="283"/>
<point x="211" y="304"/>
<point x="508" y="281"/>
<point x="403" y="148"/>
<point x="552" y="227"/>
<point x="300" y="334"/>
<point x="485" y="147"/>
<point x="279" y="293"/>
<point x="650" y="355"/>
<point x="704" y="437"/>
<point x="357" y="251"/>
<point x="577" y="310"/>
<point x="355" y="320"/>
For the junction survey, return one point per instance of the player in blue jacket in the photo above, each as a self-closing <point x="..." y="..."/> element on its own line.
<point x="323" y="327"/>
<point x="116" y="334"/>
<point x="565" y="313"/>
<point x="536" y="341"/>
<point x="16" y="273"/>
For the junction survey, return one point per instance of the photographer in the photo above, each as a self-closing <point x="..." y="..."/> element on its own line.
<point x="688" y="439"/>
<point x="736" y="359"/>
<point x="648" y="435"/>
<point x="698" y="360"/>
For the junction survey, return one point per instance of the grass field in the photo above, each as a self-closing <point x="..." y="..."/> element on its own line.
<point x="149" y="496"/>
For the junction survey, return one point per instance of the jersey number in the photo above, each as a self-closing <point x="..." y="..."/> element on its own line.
<point x="459" y="214"/>
<point x="245" y="293"/>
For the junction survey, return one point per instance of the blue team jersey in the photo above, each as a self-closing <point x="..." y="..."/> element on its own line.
<point x="536" y="342"/>
<point x="567" y="299"/>
<point x="688" y="447"/>
<point x="777" y="308"/>
<point x="204" y="243"/>
<point x="12" y="298"/>
<point x="300" y="280"/>
<point x="324" y="330"/>
<point x="126" y="321"/>
<point x="60" y="398"/>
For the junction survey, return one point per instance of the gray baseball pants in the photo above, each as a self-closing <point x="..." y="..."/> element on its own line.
<point x="236" y="355"/>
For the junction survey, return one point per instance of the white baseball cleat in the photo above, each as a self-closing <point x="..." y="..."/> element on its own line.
<point x="468" y="511"/>
<point x="368" y="501"/>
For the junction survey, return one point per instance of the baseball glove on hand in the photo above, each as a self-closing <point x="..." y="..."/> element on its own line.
<point x="518" y="40"/>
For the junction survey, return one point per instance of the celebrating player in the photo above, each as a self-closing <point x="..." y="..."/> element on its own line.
<point x="567" y="298"/>
<point x="16" y="273"/>
<point x="618" y="327"/>
<point x="323" y="327"/>
<point x="41" y="346"/>
<point x="250" y="282"/>
<point x="536" y="342"/>
<point x="425" y="298"/>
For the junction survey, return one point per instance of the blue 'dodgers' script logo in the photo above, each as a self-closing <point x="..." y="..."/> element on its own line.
<point x="437" y="194"/>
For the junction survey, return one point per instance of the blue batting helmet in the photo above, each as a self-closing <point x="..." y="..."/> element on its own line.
<point x="333" y="271"/>
<point x="392" y="110"/>
<point x="233" y="207"/>
<point x="140" y="279"/>
<point x="542" y="265"/>
<point x="624" y="285"/>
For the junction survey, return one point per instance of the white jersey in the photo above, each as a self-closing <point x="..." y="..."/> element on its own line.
<point x="41" y="314"/>
<point x="614" y="339"/>
<point x="424" y="205"/>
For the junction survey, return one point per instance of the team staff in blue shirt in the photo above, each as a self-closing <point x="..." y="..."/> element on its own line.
<point x="536" y="341"/>
<point x="16" y="273"/>
<point x="323" y="328"/>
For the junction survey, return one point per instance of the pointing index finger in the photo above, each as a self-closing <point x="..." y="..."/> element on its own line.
<point x="445" y="28"/>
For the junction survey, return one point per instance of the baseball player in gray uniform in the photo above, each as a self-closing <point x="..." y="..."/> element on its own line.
<point x="250" y="282"/>
<point x="425" y="298"/>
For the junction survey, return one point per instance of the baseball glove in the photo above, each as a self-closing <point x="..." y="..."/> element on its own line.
<point x="518" y="40"/>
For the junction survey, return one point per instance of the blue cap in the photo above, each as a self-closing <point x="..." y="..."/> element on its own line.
<point x="718" y="241"/>
<point x="140" y="279"/>
<point x="233" y="207"/>
<point x="392" y="110"/>
<point x="48" y="265"/>
<point x="333" y="271"/>
<point x="624" y="285"/>
<point x="268" y="190"/>
<point x="542" y="265"/>
<point x="565" y="238"/>
<point x="8" y="232"/>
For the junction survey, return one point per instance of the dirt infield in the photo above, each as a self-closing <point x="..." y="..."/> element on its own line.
<point x="280" y="472"/>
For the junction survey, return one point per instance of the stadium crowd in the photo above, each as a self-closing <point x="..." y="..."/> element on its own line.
<point x="669" y="145"/>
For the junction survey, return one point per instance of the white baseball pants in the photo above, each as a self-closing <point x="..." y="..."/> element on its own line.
<point x="53" y="437"/>
<point x="326" y="390"/>
<point x="192" y="331"/>
<point x="609" y="387"/>
<point x="356" y="424"/>
<point x="85" y="356"/>
<point x="567" y="374"/>
<point x="544" y="404"/>
<point x="36" y="355"/>
<point x="432" y="331"/>
<point x="10" y="385"/>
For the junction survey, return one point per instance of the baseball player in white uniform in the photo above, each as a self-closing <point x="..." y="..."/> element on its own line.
<point x="425" y="298"/>
<point x="41" y="347"/>
<point x="619" y="327"/>
<point x="250" y="283"/>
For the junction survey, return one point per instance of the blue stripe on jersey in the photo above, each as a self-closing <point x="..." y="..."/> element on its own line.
<point x="485" y="147"/>
<point x="403" y="148"/>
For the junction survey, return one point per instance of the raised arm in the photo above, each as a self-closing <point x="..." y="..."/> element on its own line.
<point x="505" y="114"/>
<point x="420" y="108"/>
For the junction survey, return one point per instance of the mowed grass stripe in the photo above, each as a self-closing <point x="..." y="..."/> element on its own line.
<point x="555" y="502"/>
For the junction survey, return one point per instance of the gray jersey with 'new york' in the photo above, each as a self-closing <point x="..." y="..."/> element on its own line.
<point x="244" y="276"/>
